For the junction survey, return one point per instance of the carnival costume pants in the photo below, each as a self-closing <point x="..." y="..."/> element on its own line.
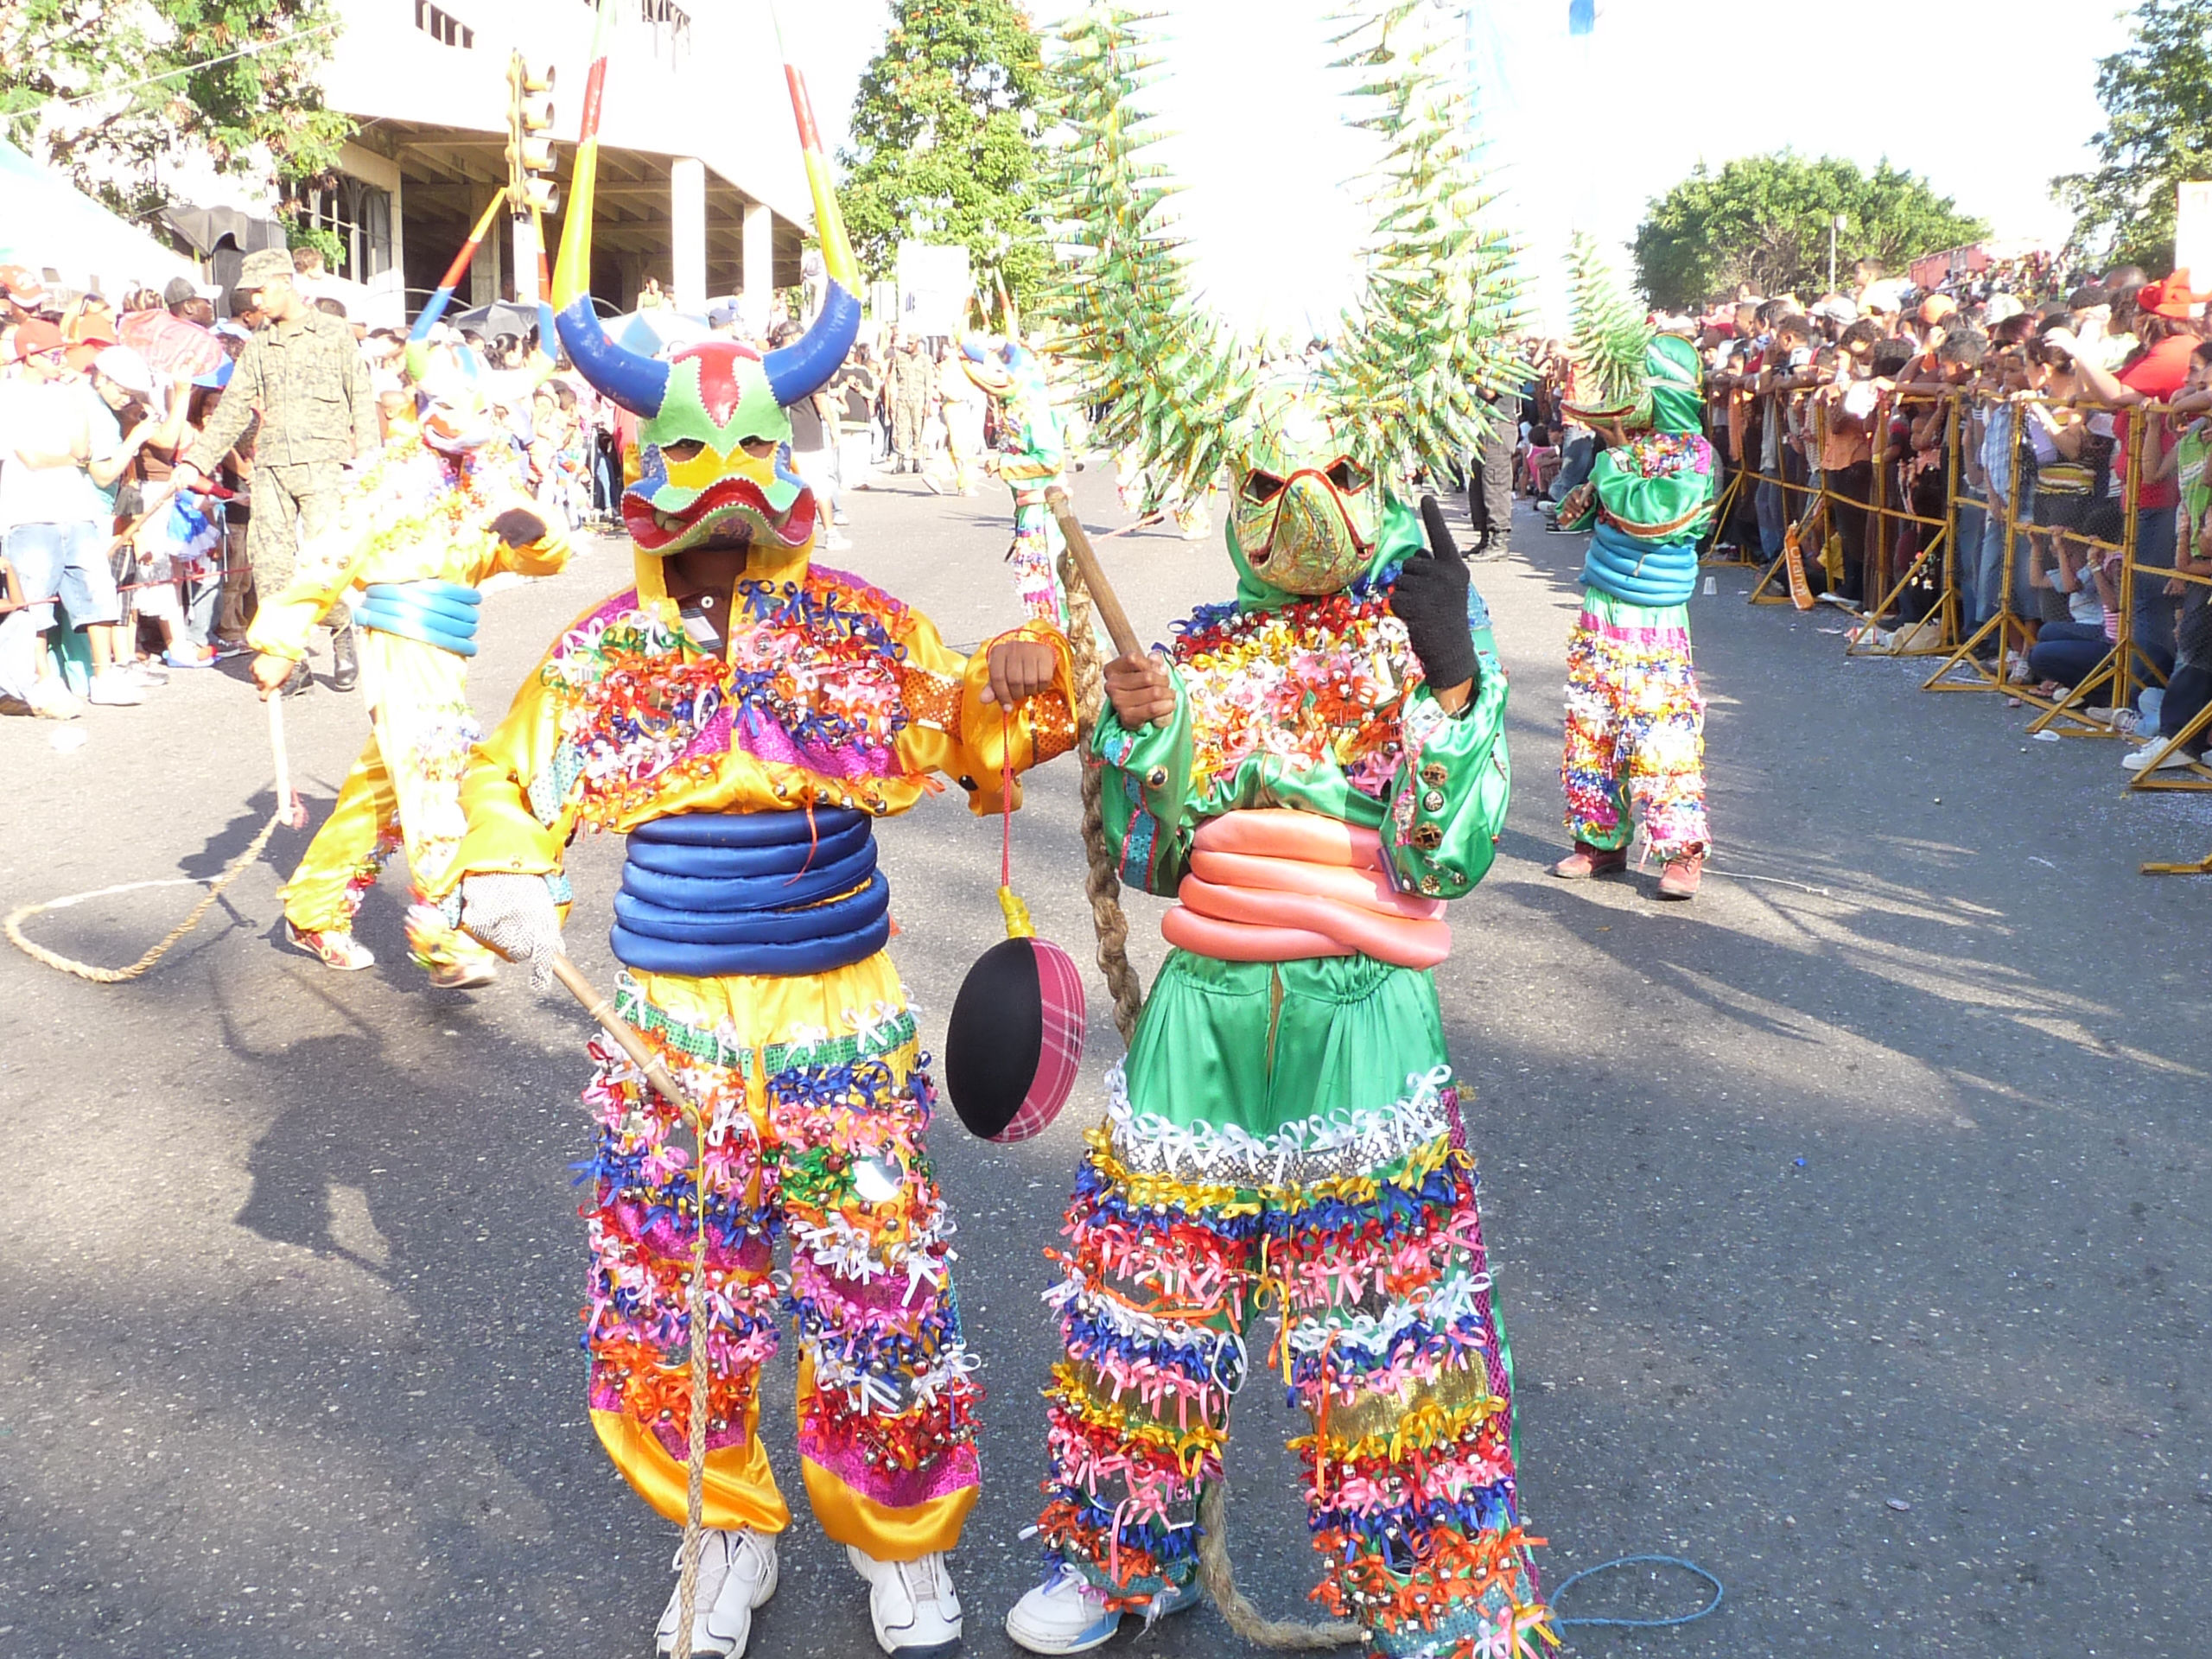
<point x="1287" y="1134"/>
<point x="1035" y="558"/>
<point x="405" y="790"/>
<point x="1635" y="728"/>
<point x="818" y="1105"/>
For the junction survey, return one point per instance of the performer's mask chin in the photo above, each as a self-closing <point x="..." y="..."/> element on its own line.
<point x="1310" y="533"/>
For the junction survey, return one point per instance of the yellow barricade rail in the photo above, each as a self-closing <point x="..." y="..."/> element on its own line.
<point x="1932" y="558"/>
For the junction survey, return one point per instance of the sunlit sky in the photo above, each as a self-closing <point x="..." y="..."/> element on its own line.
<point x="1986" y="101"/>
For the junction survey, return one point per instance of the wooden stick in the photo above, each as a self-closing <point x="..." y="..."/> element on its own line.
<point x="601" y="1009"/>
<point x="1116" y="619"/>
<point x="291" y="812"/>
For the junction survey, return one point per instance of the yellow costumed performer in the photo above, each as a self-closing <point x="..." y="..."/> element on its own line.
<point x="437" y="511"/>
<point x="743" y="716"/>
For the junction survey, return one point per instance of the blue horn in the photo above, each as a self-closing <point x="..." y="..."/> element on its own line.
<point x="804" y="367"/>
<point x="638" y="383"/>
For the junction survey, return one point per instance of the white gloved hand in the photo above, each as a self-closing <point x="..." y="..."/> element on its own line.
<point x="515" y="915"/>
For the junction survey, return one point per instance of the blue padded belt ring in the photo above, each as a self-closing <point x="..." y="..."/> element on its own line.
<point x="774" y="890"/>
<point x="771" y="893"/>
<point x="678" y="858"/>
<point x="845" y="915"/>
<point x="751" y="829"/>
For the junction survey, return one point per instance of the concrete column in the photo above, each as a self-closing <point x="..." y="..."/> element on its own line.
<point x="526" y="245"/>
<point x="687" y="180"/>
<point x="760" y="289"/>
<point x="399" y="236"/>
<point x="484" y="270"/>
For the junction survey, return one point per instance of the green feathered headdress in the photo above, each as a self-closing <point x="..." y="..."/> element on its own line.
<point x="1607" y="340"/>
<point x="1402" y="388"/>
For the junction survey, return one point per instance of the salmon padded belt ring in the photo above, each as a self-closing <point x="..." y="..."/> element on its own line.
<point x="1274" y="885"/>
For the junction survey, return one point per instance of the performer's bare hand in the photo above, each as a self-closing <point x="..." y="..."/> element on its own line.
<point x="518" y="527"/>
<point x="1140" y="690"/>
<point x="269" y="672"/>
<point x="1019" y="669"/>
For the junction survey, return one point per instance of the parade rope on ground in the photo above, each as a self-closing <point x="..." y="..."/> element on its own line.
<point x="1912" y="564"/>
<point x="290" y="813"/>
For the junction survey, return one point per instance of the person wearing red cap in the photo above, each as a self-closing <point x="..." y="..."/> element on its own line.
<point x="2170" y="329"/>
<point x="52" y="521"/>
<point x="22" y="294"/>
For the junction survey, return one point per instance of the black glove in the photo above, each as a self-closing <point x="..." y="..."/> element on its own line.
<point x="1430" y="597"/>
<point x="518" y="527"/>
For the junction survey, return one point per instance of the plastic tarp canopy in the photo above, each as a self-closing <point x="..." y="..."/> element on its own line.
<point x="47" y="225"/>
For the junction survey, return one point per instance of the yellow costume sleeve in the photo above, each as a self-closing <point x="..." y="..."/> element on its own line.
<point x="546" y="556"/>
<point x="952" y="729"/>
<point x="327" y="567"/>
<point x="505" y="832"/>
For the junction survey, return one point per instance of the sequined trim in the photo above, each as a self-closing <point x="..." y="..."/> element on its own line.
<point x="892" y="1032"/>
<point x="1312" y="1149"/>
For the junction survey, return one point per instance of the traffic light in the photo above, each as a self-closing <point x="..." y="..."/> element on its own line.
<point x="529" y="149"/>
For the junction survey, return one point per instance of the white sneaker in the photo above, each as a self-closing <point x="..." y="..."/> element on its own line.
<point x="1068" y="1614"/>
<point x="116" y="689"/>
<point x="51" y="700"/>
<point x="912" y="1604"/>
<point x="2140" y="759"/>
<point x="737" y="1574"/>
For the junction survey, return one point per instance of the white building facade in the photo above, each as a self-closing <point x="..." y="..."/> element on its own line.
<point x="701" y="184"/>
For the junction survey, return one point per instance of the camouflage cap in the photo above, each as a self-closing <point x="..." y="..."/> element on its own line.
<point x="265" y="265"/>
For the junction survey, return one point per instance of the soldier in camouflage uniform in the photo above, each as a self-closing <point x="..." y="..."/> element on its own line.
<point x="305" y="377"/>
<point x="912" y="389"/>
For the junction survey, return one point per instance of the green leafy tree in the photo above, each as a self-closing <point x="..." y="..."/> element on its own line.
<point x="104" y="88"/>
<point x="2156" y="95"/>
<point x="1765" y="220"/>
<point x="944" y="144"/>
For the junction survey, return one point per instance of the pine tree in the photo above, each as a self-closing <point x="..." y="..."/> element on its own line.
<point x="944" y="142"/>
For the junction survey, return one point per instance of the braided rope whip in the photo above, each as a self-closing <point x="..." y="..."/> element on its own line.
<point x="100" y="976"/>
<point x="1111" y="924"/>
<point x="289" y="814"/>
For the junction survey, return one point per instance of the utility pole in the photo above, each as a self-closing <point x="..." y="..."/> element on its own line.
<point x="531" y="190"/>
<point x="1835" y="224"/>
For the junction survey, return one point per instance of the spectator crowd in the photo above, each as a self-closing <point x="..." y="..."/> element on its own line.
<point x="1895" y="445"/>
<point x="148" y="499"/>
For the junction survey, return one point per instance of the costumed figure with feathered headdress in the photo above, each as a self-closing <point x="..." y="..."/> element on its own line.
<point x="1313" y="770"/>
<point x="1033" y="459"/>
<point x="1635" y="716"/>
<point x="742" y="715"/>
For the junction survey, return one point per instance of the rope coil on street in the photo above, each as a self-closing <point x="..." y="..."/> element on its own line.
<point x="290" y="813"/>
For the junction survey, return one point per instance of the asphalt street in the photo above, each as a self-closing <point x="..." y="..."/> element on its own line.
<point x="1850" y="1222"/>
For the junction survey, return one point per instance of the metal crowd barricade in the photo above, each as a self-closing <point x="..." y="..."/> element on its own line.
<point x="2121" y="671"/>
<point x="1716" y="420"/>
<point x="2007" y="624"/>
<point x="2069" y="716"/>
<point x="1939" y="549"/>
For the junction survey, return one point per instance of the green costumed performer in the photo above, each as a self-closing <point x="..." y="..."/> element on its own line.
<point x="1033" y="459"/>
<point x="1313" y="771"/>
<point x="1635" y="716"/>
<point x="742" y="715"/>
